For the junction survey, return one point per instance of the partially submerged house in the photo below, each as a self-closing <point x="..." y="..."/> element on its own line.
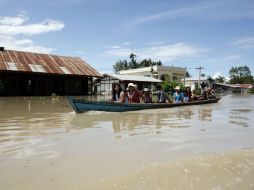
<point x="26" y="73"/>
<point x="104" y="84"/>
<point x="235" y="88"/>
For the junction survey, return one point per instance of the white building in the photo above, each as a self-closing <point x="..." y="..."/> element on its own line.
<point x="158" y="72"/>
<point x="194" y="82"/>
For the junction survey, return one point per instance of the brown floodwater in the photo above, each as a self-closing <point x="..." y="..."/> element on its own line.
<point x="44" y="144"/>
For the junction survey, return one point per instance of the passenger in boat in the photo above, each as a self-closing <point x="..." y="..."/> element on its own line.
<point x="124" y="96"/>
<point x="194" y="97"/>
<point x="178" y="95"/>
<point x="147" y="96"/>
<point x="202" y="87"/>
<point x="210" y="93"/>
<point x="204" y="94"/>
<point x="187" y="95"/>
<point x="118" y="95"/>
<point x="133" y="94"/>
<point x="162" y="96"/>
<point x="116" y="90"/>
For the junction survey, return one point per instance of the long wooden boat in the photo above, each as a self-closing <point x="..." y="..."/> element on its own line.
<point x="82" y="105"/>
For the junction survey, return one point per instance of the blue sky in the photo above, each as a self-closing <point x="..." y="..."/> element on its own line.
<point x="215" y="34"/>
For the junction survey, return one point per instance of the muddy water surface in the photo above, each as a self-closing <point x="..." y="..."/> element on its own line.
<point x="45" y="145"/>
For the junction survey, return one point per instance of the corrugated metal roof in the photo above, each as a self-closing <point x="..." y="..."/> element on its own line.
<point x="236" y="85"/>
<point x="195" y="79"/>
<point x="134" y="78"/>
<point x="43" y="63"/>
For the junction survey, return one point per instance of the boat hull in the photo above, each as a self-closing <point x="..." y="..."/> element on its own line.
<point x="81" y="105"/>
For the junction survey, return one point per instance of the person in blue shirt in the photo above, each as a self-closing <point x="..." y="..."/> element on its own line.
<point x="178" y="96"/>
<point x="162" y="96"/>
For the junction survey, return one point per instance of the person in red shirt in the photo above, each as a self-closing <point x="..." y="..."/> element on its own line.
<point x="133" y="95"/>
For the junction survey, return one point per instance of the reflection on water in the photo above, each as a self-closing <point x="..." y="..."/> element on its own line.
<point x="238" y="117"/>
<point x="134" y="123"/>
<point x="44" y="136"/>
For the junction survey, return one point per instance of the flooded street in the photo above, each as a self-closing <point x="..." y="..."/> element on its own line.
<point x="44" y="144"/>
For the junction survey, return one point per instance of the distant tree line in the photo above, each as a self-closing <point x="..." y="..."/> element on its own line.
<point x="240" y="75"/>
<point x="133" y="63"/>
<point x="237" y="75"/>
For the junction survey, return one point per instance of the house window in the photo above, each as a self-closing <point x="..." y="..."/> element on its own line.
<point x="65" y="70"/>
<point x="37" y="68"/>
<point x="12" y="66"/>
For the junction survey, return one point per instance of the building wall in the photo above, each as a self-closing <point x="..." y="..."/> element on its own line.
<point x="159" y="72"/>
<point x="193" y="84"/>
<point x="32" y="84"/>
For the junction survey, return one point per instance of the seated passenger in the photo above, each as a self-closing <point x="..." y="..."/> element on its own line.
<point x="147" y="96"/>
<point x="116" y="90"/>
<point x="211" y="94"/>
<point x="194" y="97"/>
<point x="123" y="95"/>
<point x="204" y="95"/>
<point x="178" y="96"/>
<point x="162" y="96"/>
<point x="133" y="94"/>
<point x="187" y="95"/>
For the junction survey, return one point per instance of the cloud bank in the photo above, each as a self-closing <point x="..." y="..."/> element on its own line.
<point x="246" y="42"/>
<point x="164" y="53"/>
<point x="225" y="9"/>
<point x="14" y="32"/>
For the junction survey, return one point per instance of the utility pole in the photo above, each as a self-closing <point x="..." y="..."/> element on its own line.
<point x="199" y="68"/>
<point x="185" y="76"/>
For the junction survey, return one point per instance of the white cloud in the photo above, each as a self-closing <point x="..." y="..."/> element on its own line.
<point x="126" y="43"/>
<point x="225" y="9"/>
<point x="176" y="13"/>
<point x="13" y="21"/>
<point x="171" y="52"/>
<point x="225" y="58"/>
<point x="165" y="53"/>
<point x="155" y="43"/>
<point x="114" y="47"/>
<point x="16" y="26"/>
<point x="10" y="42"/>
<point x="13" y="32"/>
<point x="217" y="74"/>
<point x="118" y="52"/>
<point x="246" y="42"/>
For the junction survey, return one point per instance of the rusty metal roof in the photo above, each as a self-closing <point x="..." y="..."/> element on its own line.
<point x="43" y="63"/>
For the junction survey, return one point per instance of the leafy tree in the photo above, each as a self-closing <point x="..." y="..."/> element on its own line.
<point x="120" y="65"/>
<point x="220" y="79"/>
<point x="240" y="75"/>
<point x="169" y="86"/>
<point x="133" y="63"/>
